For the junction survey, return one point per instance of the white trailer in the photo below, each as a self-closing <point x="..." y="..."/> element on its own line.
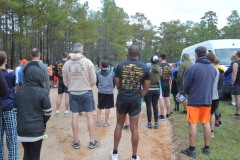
<point x="222" y="48"/>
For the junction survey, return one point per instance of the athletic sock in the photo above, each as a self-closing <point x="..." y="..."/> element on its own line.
<point x="206" y="147"/>
<point x="57" y="111"/>
<point x="191" y="148"/>
<point x="134" y="156"/>
<point x="115" y="151"/>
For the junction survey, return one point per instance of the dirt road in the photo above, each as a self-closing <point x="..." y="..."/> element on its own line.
<point x="154" y="144"/>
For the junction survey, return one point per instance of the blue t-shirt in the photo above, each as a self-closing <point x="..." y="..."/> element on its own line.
<point x="131" y="74"/>
<point x="7" y="102"/>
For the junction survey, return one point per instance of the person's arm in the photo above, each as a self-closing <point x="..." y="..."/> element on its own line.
<point x="97" y="81"/>
<point x="146" y="85"/>
<point x="234" y="73"/>
<point x="187" y="81"/>
<point x="117" y="82"/>
<point x="46" y="106"/>
<point x="64" y="75"/>
<point x="4" y="86"/>
<point x="92" y="74"/>
<point x="116" y="79"/>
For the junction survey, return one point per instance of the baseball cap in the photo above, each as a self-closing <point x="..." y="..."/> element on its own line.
<point x="78" y="47"/>
<point x="154" y="59"/>
<point x="24" y="61"/>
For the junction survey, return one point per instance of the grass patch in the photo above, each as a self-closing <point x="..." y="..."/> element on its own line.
<point x="224" y="146"/>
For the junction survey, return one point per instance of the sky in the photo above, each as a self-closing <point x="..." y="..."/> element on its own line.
<point x="158" y="11"/>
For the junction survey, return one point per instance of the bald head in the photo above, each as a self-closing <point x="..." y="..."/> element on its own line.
<point x="133" y="51"/>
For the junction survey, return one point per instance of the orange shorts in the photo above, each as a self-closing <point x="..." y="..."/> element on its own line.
<point x="201" y="113"/>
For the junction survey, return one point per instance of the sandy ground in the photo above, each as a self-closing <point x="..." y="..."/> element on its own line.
<point x="154" y="144"/>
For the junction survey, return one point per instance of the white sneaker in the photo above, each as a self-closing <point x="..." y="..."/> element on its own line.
<point x="114" y="156"/>
<point x="66" y="114"/>
<point x="136" y="158"/>
<point x="57" y="114"/>
<point x="212" y="134"/>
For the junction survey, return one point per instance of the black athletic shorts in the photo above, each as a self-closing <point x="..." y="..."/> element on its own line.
<point x="214" y="106"/>
<point x="165" y="89"/>
<point x="124" y="106"/>
<point x="62" y="88"/>
<point x="105" y="101"/>
<point x="235" y="89"/>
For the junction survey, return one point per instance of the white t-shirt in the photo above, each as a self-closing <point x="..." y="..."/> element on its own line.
<point x="16" y="71"/>
<point x="215" y="85"/>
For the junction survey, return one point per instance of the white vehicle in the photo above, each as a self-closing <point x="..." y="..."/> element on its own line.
<point x="222" y="48"/>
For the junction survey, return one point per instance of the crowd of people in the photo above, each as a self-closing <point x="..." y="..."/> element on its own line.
<point x="26" y="111"/>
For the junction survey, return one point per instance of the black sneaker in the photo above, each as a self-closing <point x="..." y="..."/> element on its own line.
<point x="126" y="127"/>
<point x="168" y="116"/>
<point x="220" y="123"/>
<point x="206" y="151"/>
<point x="161" y="117"/>
<point x="149" y="125"/>
<point x="184" y="112"/>
<point x="189" y="153"/>
<point x="76" y="144"/>
<point x="217" y="125"/>
<point x="94" y="144"/>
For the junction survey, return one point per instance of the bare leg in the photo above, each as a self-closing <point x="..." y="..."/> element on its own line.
<point x="192" y="134"/>
<point x="91" y="127"/>
<point x="66" y="102"/>
<point x="207" y="133"/>
<point x="58" y="102"/>
<point x="134" y="130"/>
<point x="107" y="112"/>
<point x="118" y="129"/>
<point x="185" y="104"/>
<point x="237" y="100"/>
<point x="161" y="106"/>
<point x="168" y="104"/>
<point x="126" y="120"/>
<point x="75" y="126"/>
<point x="233" y="99"/>
<point x="99" y="113"/>
<point x="212" y="121"/>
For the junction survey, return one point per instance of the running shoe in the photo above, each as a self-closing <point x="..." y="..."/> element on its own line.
<point x="136" y="158"/>
<point x="126" y="127"/>
<point x="57" y="114"/>
<point x="206" y="151"/>
<point x="106" y="124"/>
<point x="94" y="144"/>
<point x="184" y="112"/>
<point x="156" y="126"/>
<point x="98" y="124"/>
<point x="114" y="156"/>
<point x="189" y="153"/>
<point x="220" y="123"/>
<point x="149" y="125"/>
<point x="212" y="134"/>
<point x="76" y="144"/>
<point x="161" y="117"/>
<point x="168" y="116"/>
<point x="66" y="114"/>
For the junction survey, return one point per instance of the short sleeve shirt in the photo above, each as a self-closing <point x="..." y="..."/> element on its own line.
<point x="131" y="74"/>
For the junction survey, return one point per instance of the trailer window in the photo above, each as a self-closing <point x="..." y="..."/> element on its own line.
<point x="224" y="55"/>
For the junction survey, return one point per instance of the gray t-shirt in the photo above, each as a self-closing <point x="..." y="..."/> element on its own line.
<point x="215" y="86"/>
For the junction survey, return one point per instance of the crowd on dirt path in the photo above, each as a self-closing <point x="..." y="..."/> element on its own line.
<point x="26" y="108"/>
